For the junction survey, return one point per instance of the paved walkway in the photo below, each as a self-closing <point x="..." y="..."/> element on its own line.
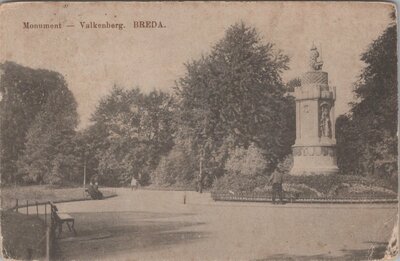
<point x="155" y="225"/>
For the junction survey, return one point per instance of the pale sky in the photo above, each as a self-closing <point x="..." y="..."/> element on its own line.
<point x="93" y="60"/>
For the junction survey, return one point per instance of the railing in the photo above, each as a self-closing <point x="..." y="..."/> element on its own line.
<point x="49" y="222"/>
<point x="292" y="198"/>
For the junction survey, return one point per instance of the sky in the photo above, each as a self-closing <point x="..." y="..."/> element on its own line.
<point x="94" y="60"/>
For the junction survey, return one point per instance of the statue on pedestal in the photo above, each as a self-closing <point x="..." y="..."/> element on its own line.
<point x="315" y="63"/>
<point x="314" y="152"/>
<point x="325" y="125"/>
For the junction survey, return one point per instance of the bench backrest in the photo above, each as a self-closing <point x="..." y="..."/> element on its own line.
<point x="54" y="214"/>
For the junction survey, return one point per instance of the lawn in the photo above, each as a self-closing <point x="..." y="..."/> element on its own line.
<point x="43" y="194"/>
<point x="23" y="236"/>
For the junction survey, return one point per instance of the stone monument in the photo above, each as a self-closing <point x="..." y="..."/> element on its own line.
<point x="314" y="152"/>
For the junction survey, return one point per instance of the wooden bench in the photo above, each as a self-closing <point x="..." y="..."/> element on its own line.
<point x="58" y="219"/>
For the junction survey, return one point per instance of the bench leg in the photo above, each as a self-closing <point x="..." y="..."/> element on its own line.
<point x="59" y="229"/>
<point x="73" y="227"/>
<point x="69" y="227"/>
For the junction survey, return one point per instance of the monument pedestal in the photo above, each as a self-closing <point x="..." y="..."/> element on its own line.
<point x="314" y="160"/>
<point x="314" y="152"/>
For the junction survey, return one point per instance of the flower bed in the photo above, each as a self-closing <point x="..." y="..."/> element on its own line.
<point x="311" y="187"/>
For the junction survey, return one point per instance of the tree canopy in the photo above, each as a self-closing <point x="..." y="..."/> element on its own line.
<point x="236" y="93"/>
<point x="130" y="132"/>
<point x="38" y="113"/>
<point x="368" y="134"/>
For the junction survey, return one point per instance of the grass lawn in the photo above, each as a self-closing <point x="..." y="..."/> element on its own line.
<point x="42" y="194"/>
<point x="23" y="236"/>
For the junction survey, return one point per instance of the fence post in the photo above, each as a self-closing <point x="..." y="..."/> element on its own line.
<point x="37" y="209"/>
<point x="45" y="213"/>
<point x="27" y="212"/>
<point x="29" y="250"/>
<point x="47" y="243"/>
<point x="16" y="206"/>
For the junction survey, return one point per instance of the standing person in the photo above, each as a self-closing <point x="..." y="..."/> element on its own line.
<point x="276" y="179"/>
<point x="133" y="183"/>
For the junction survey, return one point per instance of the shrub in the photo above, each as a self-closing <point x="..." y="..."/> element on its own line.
<point x="177" y="168"/>
<point x="310" y="186"/>
<point x="245" y="170"/>
<point x="285" y="165"/>
<point x="239" y="183"/>
<point x="246" y="162"/>
<point x="321" y="183"/>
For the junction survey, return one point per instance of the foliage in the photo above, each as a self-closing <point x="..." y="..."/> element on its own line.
<point x="23" y="93"/>
<point x="38" y="117"/>
<point x="246" y="162"/>
<point x="310" y="186"/>
<point x="285" y="165"/>
<point x="237" y="183"/>
<point x="368" y="135"/>
<point x="177" y="168"/>
<point x="292" y="84"/>
<point x="131" y="131"/>
<point x="321" y="183"/>
<point x="49" y="150"/>
<point x="236" y="93"/>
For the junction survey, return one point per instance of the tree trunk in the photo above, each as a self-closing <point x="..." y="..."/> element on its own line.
<point x="200" y="178"/>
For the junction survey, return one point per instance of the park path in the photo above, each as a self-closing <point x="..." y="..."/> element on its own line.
<point x="156" y="225"/>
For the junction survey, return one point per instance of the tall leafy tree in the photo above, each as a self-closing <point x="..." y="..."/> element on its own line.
<point x="372" y="122"/>
<point x="49" y="154"/>
<point x="236" y="93"/>
<point x="25" y="96"/>
<point x="131" y="131"/>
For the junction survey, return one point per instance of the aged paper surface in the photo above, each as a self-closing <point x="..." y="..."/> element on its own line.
<point x="198" y="130"/>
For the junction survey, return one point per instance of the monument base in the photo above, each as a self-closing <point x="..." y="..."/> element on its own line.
<point x="314" y="160"/>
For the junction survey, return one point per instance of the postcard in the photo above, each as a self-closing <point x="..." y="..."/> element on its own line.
<point x="199" y="130"/>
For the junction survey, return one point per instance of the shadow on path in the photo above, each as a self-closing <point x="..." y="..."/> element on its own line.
<point x="375" y="252"/>
<point x="126" y="233"/>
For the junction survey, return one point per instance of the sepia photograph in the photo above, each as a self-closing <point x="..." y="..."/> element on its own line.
<point x="198" y="131"/>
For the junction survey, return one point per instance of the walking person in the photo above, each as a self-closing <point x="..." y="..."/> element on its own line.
<point x="276" y="179"/>
<point x="133" y="183"/>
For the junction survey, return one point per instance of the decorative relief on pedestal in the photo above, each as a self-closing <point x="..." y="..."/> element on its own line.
<point x="306" y="109"/>
<point x="325" y="121"/>
<point x="314" y="77"/>
<point x="314" y="151"/>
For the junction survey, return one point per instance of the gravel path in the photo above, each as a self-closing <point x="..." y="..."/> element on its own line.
<point x="156" y="225"/>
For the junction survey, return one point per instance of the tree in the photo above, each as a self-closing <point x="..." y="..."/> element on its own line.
<point x="176" y="168"/>
<point x="131" y="132"/>
<point x="292" y="84"/>
<point x="26" y="96"/>
<point x="49" y="154"/>
<point x="236" y="93"/>
<point x="370" y="131"/>
<point x="246" y="162"/>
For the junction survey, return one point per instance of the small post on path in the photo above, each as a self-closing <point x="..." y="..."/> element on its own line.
<point x="47" y="243"/>
<point x="184" y="198"/>
<point x="16" y="205"/>
<point x="27" y="212"/>
<point x="37" y="209"/>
